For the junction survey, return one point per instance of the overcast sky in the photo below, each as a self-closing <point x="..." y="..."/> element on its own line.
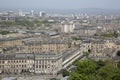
<point x="60" y="4"/>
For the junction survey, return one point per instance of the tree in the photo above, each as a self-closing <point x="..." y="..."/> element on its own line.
<point x="115" y="34"/>
<point x="86" y="67"/>
<point x="116" y="76"/>
<point x="65" y="72"/>
<point x="100" y="64"/>
<point x="4" y="32"/>
<point x="118" y="65"/>
<point x="118" y="53"/>
<point x="107" y="72"/>
<point x="85" y="70"/>
<point x="76" y="76"/>
<point x="92" y="70"/>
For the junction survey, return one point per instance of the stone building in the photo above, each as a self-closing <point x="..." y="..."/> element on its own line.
<point x="44" y="46"/>
<point x="47" y="63"/>
<point x="31" y="63"/>
<point x="16" y="63"/>
<point x="100" y="47"/>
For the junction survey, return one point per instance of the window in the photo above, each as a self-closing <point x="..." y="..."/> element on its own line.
<point x="36" y="66"/>
<point x="3" y="62"/>
<point x="45" y="66"/>
<point x="42" y="62"/>
<point x="42" y="66"/>
<point x="52" y="61"/>
<point x="39" y="66"/>
<point x="8" y="61"/>
<point x="39" y="62"/>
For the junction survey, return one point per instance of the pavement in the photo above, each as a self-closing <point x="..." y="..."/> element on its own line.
<point x="32" y="77"/>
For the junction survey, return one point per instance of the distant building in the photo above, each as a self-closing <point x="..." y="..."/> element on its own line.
<point x="66" y="28"/>
<point x="86" y="31"/>
<point x="42" y="14"/>
<point x="21" y="13"/>
<point x="7" y="18"/>
<point x="10" y="13"/>
<point x="32" y="12"/>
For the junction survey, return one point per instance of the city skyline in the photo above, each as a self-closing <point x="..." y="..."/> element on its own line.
<point x="61" y="4"/>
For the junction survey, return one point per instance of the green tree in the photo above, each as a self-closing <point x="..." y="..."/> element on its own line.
<point x="107" y="72"/>
<point x="118" y="53"/>
<point x="118" y="65"/>
<point x="77" y="76"/>
<point x="91" y="70"/>
<point x="65" y="72"/>
<point x="100" y="64"/>
<point x="86" y="67"/>
<point x="116" y="76"/>
<point x="115" y="34"/>
<point x="4" y="32"/>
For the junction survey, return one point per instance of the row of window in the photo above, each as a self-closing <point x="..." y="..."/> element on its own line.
<point x="44" y="66"/>
<point x="44" y="62"/>
<point x="47" y="48"/>
<point x="12" y="66"/>
<point x="41" y="66"/>
<point x="13" y="61"/>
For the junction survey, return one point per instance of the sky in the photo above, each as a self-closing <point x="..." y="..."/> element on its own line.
<point x="60" y="4"/>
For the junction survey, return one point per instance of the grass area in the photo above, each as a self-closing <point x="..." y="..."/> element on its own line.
<point x="6" y="32"/>
<point x="76" y="38"/>
<point x="110" y="35"/>
<point x="22" y="23"/>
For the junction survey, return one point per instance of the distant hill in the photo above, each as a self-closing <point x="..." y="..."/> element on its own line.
<point x="94" y="11"/>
